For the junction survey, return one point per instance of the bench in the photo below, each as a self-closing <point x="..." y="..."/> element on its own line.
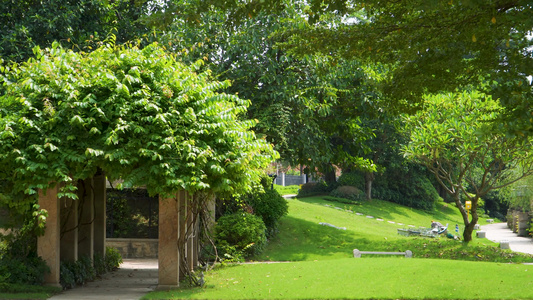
<point x="490" y="221"/>
<point x="357" y="253"/>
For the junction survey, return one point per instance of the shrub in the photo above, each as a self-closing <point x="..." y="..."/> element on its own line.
<point x="113" y="259"/>
<point x="414" y="190"/>
<point x="270" y="206"/>
<point x="67" y="278"/>
<point x="355" y="179"/>
<point x="240" y="233"/>
<point x="314" y="188"/>
<point x="99" y="264"/>
<point x="19" y="263"/>
<point x="83" y="270"/>
<point x="23" y="270"/>
<point x="348" y="192"/>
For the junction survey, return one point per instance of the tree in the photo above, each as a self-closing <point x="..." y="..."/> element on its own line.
<point x="429" y="46"/>
<point x="309" y="108"/>
<point x="138" y="115"/>
<point x="79" y="24"/>
<point x="453" y="138"/>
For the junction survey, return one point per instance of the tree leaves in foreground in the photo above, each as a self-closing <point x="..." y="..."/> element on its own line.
<point x="452" y="136"/>
<point x="136" y="114"/>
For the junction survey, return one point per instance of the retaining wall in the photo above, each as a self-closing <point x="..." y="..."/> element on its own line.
<point x="134" y="248"/>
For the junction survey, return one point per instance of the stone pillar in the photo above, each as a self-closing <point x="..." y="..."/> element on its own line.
<point x="168" y="255"/>
<point x="48" y="245"/>
<point x="282" y="179"/>
<point x="523" y="222"/>
<point x="193" y="227"/>
<point x="99" y="184"/>
<point x="69" y="221"/>
<point x="196" y="243"/>
<point x="86" y="227"/>
<point x="211" y="208"/>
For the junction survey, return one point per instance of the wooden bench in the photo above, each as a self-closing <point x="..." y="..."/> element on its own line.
<point x="357" y="253"/>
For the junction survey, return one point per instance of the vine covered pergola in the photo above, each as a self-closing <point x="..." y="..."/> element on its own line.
<point x="70" y="120"/>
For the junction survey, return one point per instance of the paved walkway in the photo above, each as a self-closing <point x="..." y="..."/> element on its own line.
<point x="134" y="279"/>
<point x="500" y="232"/>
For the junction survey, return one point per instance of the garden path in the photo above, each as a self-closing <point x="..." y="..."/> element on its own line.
<point x="134" y="279"/>
<point x="498" y="232"/>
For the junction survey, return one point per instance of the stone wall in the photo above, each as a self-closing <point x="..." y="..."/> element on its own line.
<point x="134" y="248"/>
<point x="285" y="180"/>
<point x="518" y="222"/>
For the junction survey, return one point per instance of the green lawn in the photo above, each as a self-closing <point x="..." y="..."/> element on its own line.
<point x="287" y="190"/>
<point x="322" y="267"/>
<point x="18" y="291"/>
<point x="365" y="278"/>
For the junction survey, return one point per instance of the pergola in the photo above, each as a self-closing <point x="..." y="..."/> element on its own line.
<point x="70" y="235"/>
<point x="70" y="119"/>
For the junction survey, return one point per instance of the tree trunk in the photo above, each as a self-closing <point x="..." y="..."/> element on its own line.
<point x="469" y="223"/>
<point x="329" y="175"/>
<point x="369" y="179"/>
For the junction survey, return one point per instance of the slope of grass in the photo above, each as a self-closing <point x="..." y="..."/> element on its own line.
<point x="301" y="236"/>
<point x="322" y="266"/>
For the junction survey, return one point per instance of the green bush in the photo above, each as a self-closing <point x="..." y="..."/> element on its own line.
<point x="67" y="278"/>
<point x="19" y="263"/>
<point x="99" y="264"/>
<point x="355" y="179"/>
<point x="23" y="270"/>
<point x="240" y="233"/>
<point x="113" y="259"/>
<point x="314" y="188"/>
<point x="270" y="206"/>
<point x="83" y="270"/>
<point x="348" y="192"/>
<point x="413" y="190"/>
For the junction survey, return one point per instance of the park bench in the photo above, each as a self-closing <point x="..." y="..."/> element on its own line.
<point x="357" y="253"/>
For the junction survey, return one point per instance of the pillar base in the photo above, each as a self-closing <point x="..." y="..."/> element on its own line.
<point x="166" y="287"/>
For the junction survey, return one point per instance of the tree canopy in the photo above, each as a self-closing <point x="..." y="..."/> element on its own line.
<point x="428" y="46"/>
<point x="139" y="115"/>
<point x="79" y="24"/>
<point x="308" y="107"/>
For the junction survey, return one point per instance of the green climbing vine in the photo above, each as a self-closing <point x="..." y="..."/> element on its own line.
<point x="138" y="114"/>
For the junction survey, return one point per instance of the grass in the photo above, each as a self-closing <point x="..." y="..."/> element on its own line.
<point x="322" y="267"/>
<point x="302" y="238"/>
<point x="18" y="291"/>
<point x="287" y="190"/>
<point x="366" y="278"/>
